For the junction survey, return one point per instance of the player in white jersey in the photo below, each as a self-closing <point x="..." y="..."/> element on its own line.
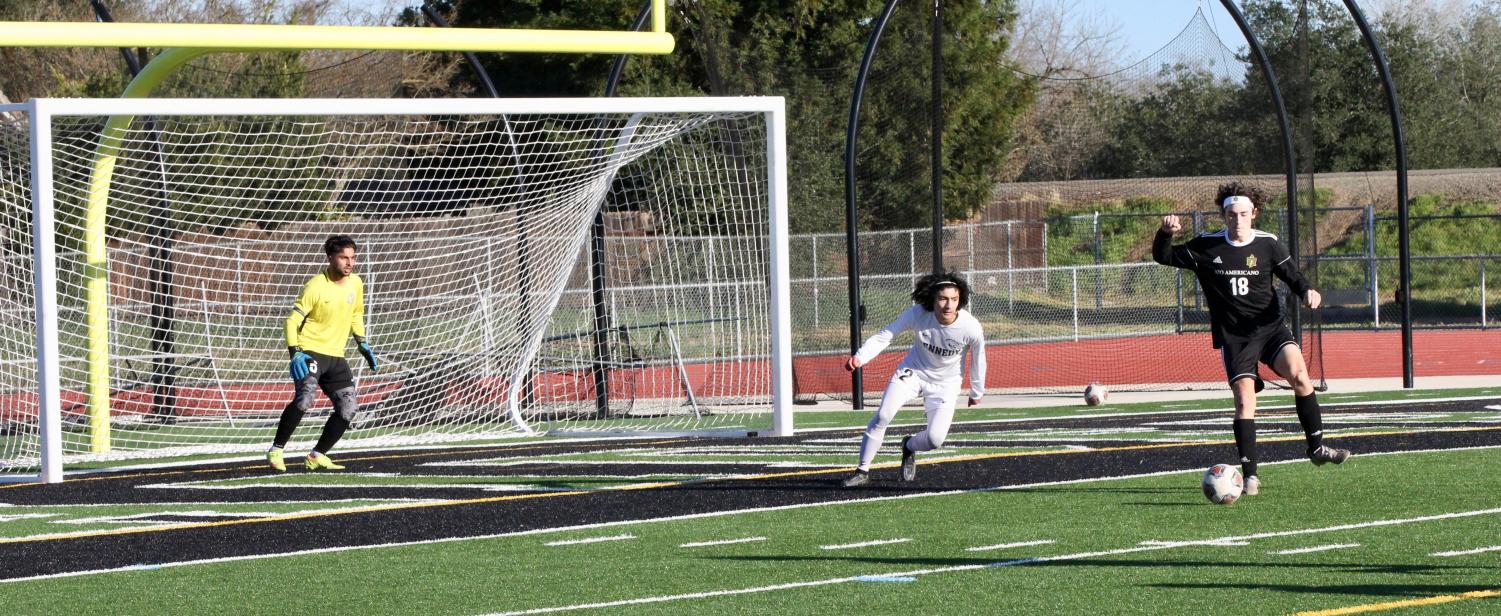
<point x="943" y="330"/>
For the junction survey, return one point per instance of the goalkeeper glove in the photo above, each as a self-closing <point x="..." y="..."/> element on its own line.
<point x="368" y="353"/>
<point x="300" y="361"/>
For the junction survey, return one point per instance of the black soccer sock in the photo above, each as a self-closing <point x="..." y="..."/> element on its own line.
<point x="290" y="417"/>
<point x="1311" y="419"/>
<point x="332" y="431"/>
<point x="1245" y="443"/>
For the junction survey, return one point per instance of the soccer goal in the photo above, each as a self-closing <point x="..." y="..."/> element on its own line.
<point x="531" y="266"/>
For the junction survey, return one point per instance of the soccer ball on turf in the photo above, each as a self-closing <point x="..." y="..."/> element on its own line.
<point x="1095" y="394"/>
<point x="1222" y="484"/>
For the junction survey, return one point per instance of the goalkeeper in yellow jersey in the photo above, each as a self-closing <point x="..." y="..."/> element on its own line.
<point x="329" y="310"/>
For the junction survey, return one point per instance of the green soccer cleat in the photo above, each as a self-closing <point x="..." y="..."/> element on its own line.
<point x="273" y="457"/>
<point x="322" y="462"/>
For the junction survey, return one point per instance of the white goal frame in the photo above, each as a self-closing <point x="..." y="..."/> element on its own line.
<point x="41" y="112"/>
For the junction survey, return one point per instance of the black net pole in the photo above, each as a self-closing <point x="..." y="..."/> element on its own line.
<point x="935" y="113"/>
<point x="851" y="213"/>
<point x="1404" y="249"/>
<point x="159" y="253"/>
<point x="1289" y="156"/>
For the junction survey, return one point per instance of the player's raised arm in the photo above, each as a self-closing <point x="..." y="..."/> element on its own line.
<point x="878" y="341"/>
<point x="1163" y="250"/>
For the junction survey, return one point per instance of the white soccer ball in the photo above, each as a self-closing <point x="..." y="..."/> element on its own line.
<point x="1095" y="394"/>
<point x="1222" y="484"/>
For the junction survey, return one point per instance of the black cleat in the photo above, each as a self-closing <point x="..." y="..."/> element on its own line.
<point x="858" y="479"/>
<point x="1325" y="453"/>
<point x="909" y="461"/>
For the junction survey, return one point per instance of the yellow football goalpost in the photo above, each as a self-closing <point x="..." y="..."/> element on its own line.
<point x="184" y="42"/>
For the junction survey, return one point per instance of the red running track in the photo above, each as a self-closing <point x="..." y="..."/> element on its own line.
<point x="1185" y="358"/>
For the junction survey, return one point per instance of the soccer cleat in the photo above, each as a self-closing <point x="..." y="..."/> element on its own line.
<point x="316" y="462"/>
<point x="860" y="478"/>
<point x="1252" y="486"/>
<point x="909" y="461"/>
<point x="1325" y="453"/>
<point x="273" y="457"/>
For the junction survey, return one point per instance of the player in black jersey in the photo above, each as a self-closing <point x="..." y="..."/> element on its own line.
<point x="1235" y="268"/>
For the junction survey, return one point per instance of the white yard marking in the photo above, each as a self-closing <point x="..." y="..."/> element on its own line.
<point x="1214" y="407"/>
<point x="1317" y="548"/>
<point x="27" y="516"/>
<point x="1216" y="542"/>
<point x="487" y="487"/>
<point x="591" y="540"/>
<point x="1004" y="563"/>
<point x="147" y="517"/>
<point x="704" y="544"/>
<point x="718" y="514"/>
<point x="1002" y="546"/>
<point x="1494" y="548"/>
<point x="863" y="544"/>
<point x="768" y="463"/>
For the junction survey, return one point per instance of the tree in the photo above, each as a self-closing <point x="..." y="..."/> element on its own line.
<point x="807" y="51"/>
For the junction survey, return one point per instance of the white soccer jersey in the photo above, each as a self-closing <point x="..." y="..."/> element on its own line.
<point x="936" y="353"/>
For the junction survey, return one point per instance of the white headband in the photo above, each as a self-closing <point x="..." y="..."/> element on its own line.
<point x="1235" y="200"/>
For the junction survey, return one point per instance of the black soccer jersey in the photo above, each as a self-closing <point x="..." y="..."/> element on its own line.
<point x="1236" y="279"/>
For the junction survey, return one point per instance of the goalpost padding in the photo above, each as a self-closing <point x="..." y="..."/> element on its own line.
<point x="474" y="219"/>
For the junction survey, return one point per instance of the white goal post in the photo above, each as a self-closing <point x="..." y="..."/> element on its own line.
<point x="531" y="266"/>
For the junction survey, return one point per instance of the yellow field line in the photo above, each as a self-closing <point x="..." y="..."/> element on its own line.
<point x="1392" y="605"/>
<point x="648" y="486"/>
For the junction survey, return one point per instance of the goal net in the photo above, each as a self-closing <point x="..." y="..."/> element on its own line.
<point x="530" y="266"/>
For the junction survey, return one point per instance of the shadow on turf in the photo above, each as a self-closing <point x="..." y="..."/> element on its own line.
<point x="1374" y="591"/>
<point x="1140" y="564"/>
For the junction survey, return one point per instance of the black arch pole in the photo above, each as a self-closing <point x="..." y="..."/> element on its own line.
<point x="1289" y="156"/>
<point x="479" y="70"/>
<point x="600" y="334"/>
<point x="164" y="366"/>
<point x="1404" y="249"/>
<point x="935" y="113"/>
<point x="523" y="242"/>
<point x="851" y="214"/>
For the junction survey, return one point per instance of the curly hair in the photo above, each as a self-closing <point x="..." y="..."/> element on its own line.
<point x="925" y="292"/>
<point x="336" y="244"/>
<point x="1257" y="196"/>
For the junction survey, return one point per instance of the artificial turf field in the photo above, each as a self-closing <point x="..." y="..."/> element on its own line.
<point x="1022" y="511"/>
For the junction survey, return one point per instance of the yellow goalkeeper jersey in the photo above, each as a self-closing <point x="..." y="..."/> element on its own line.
<point x="326" y="313"/>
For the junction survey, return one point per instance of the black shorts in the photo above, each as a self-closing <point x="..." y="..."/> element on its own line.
<point x="333" y="372"/>
<point x="1242" y="353"/>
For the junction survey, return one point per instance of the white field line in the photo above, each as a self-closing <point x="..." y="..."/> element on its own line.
<point x="27" y="516"/>
<point x="230" y="503"/>
<point x="704" y="544"/>
<point x="487" y="487"/>
<point x="863" y="544"/>
<point x="591" y="540"/>
<point x="1216" y="408"/>
<point x="1002" y="546"/>
<point x="544" y="460"/>
<point x="1494" y="548"/>
<point x="1214" y="542"/>
<point x="691" y="516"/>
<point x="146" y="517"/>
<point x="1317" y="548"/>
<point x="1006" y="563"/>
